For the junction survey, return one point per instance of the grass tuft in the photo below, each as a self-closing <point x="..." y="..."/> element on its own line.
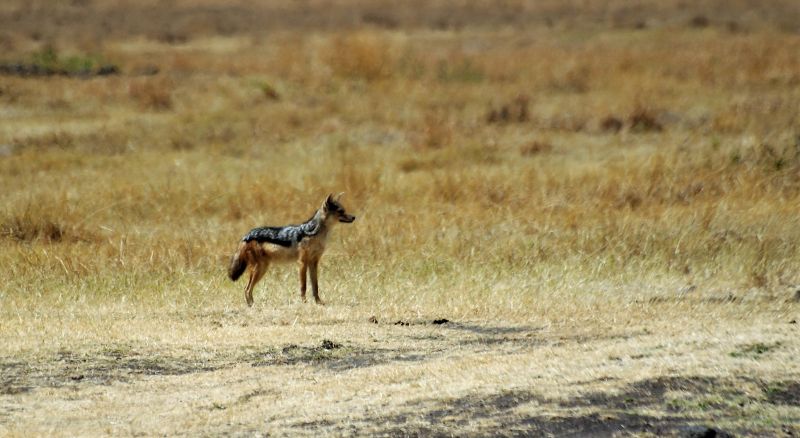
<point x="153" y="93"/>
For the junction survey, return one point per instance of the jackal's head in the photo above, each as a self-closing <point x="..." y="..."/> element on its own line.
<point x="334" y="209"/>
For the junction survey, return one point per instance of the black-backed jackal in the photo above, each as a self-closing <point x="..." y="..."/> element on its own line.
<point x="304" y="243"/>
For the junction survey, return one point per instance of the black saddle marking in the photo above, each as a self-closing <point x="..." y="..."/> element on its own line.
<point x="277" y="235"/>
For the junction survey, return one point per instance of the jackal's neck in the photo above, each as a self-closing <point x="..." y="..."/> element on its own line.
<point x="318" y="224"/>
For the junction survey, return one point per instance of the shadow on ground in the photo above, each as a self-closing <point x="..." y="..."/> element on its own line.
<point x="666" y="406"/>
<point x="124" y="363"/>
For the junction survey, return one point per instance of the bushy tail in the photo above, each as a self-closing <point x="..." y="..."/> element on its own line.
<point x="238" y="263"/>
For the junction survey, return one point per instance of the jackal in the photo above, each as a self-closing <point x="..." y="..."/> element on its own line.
<point x="304" y="242"/>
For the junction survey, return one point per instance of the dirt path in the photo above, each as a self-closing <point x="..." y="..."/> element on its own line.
<point x="417" y="378"/>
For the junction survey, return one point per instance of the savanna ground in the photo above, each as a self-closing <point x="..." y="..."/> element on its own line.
<point x="574" y="218"/>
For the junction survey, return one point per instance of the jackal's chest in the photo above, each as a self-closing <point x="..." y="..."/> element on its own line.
<point x="311" y="248"/>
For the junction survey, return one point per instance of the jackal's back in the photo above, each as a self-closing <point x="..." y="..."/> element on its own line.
<point x="287" y="236"/>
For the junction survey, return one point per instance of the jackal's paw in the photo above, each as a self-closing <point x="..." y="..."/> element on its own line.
<point x="319" y="301"/>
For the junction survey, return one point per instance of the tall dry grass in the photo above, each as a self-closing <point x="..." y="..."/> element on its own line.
<point x="138" y="185"/>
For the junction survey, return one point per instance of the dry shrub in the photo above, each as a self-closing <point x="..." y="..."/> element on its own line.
<point x="153" y="93"/>
<point x="611" y="124"/>
<point x="458" y="67"/>
<point x="31" y="226"/>
<point x="415" y="164"/>
<point x="436" y="131"/>
<point x="629" y="199"/>
<point x="728" y="121"/>
<point x="145" y="69"/>
<point x="784" y="156"/>
<point x="643" y="119"/>
<point x="699" y="21"/>
<point x="102" y="141"/>
<point x="9" y="94"/>
<point x="172" y="36"/>
<point x="27" y="229"/>
<point x="181" y="144"/>
<point x="359" y="56"/>
<point x="574" y="80"/>
<point x="568" y="123"/>
<point x="514" y="111"/>
<point x="535" y="147"/>
<point x="690" y="192"/>
<point x="380" y="18"/>
<point x="51" y="140"/>
<point x="733" y="26"/>
<point x="268" y="90"/>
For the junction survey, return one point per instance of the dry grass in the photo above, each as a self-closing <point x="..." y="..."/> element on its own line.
<point x="605" y="210"/>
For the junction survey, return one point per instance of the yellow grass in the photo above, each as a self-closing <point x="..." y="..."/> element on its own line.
<point x="594" y="280"/>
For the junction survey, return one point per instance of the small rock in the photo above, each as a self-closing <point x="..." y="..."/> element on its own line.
<point x="330" y="345"/>
<point x="699" y="21"/>
<point x="611" y="124"/>
<point x="441" y="321"/>
<point x="401" y="322"/>
<point x="373" y="319"/>
<point x="107" y="70"/>
<point x="702" y="432"/>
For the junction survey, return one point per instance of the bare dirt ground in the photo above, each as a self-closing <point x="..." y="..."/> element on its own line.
<point x="276" y="376"/>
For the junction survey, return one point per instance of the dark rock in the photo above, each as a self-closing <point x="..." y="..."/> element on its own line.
<point x="702" y="432"/>
<point x="108" y="70"/>
<point x="330" y="345"/>
<point x="611" y="124"/>
<point x="699" y="21"/>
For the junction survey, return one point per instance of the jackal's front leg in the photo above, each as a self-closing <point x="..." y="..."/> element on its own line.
<point x="303" y="276"/>
<point x="314" y="285"/>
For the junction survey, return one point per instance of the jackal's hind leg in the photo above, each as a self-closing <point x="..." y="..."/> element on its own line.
<point x="256" y="274"/>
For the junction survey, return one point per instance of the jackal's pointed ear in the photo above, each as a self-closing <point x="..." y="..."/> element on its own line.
<point x="339" y="196"/>
<point x="328" y="201"/>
